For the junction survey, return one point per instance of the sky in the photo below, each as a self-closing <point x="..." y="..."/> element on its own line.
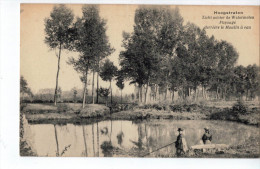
<point x="39" y="63"/>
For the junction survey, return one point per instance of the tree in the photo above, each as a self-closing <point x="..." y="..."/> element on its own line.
<point x="252" y="80"/>
<point x="24" y="89"/>
<point x="94" y="40"/>
<point x="59" y="92"/>
<point x="103" y="92"/>
<point x="75" y="92"/>
<point x="154" y="38"/>
<point x="226" y="57"/>
<point x="245" y="81"/>
<point x="108" y="72"/>
<point x="81" y="65"/>
<point x="194" y="62"/>
<point x="240" y="76"/>
<point x="91" y="42"/>
<point x="169" y="38"/>
<point x="59" y="34"/>
<point x="120" y="82"/>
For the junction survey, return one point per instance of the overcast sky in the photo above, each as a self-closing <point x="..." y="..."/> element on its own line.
<point x="39" y="64"/>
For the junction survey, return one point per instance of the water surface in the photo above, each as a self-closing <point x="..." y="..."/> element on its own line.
<point x="126" y="138"/>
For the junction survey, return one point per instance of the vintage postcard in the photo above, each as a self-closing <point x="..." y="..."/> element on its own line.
<point x="139" y="81"/>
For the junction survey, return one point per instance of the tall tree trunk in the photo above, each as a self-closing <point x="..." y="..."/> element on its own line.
<point x="84" y="95"/>
<point x="121" y="97"/>
<point x="57" y="143"/>
<point x="97" y="86"/>
<point x="150" y="94"/>
<point x="85" y="91"/>
<point x="93" y="86"/>
<point x="165" y="94"/>
<point x="141" y="93"/>
<point x="217" y="93"/>
<point x="97" y="81"/>
<point x="203" y="92"/>
<point x="111" y="93"/>
<point x="146" y="92"/>
<point x="57" y="77"/>
<point x="156" y="88"/>
<point x="195" y="93"/>
<point x="206" y="93"/>
<point x="172" y="95"/>
<point x="159" y="96"/>
<point x="225" y="92"/>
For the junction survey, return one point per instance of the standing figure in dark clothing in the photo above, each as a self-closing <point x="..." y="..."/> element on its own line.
<point x="180" y="144"/>
<point x="207" y="137"/>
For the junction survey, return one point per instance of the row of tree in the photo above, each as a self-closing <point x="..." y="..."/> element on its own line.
<point x="87" y="36"/>
<point x="164" y="55"/>
<point x="74" y="95"/>
<point x="161" y="55"/>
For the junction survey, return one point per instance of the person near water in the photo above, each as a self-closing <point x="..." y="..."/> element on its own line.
<point x="207" y="137"/>
<point x="180" y="144"/>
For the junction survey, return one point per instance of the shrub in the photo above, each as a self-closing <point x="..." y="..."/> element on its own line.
<point x="63" y="108"/>
<point x="239" y="108"/>
<point x="176" y="108"/>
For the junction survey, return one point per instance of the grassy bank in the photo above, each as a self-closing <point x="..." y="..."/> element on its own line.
<point x="247" y="113"/>
<point x="63" y="113"/>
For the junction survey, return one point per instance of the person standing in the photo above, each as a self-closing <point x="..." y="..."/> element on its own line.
<point x="180" y="144"/>
<point x="207" y="137"/>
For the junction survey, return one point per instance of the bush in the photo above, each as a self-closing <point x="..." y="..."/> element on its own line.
<point x="176" y="108"/>
<point x="63" y="108"/>
<point x="239" y="108"/>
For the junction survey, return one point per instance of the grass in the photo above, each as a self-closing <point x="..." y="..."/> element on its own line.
<point x="63" y="112"/>
<point x="245" y="112"/>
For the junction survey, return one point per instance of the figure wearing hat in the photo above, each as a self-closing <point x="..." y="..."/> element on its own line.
<point x="180" y="144"/>
<point x="207" y="137"/>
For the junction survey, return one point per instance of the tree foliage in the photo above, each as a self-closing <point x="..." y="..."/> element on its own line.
<point x="108" y="71"/>
<point x="103" y="92"/>
<point x="24" y="89"/>
<point x="120" y="82"/>
<point x="163" y="54"/>
<point x="58" y="28"/>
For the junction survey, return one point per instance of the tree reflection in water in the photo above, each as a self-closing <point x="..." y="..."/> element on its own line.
<point x="133" y="139"/>
<point x="139" y="148"/>
<point x="85" y="143"/>
<point x="104" y="131"/>
<point x="57" y="142"/>
<point x="97" y="140"/>
<point x="107" y="148"/>
<point x="120" y="138"/>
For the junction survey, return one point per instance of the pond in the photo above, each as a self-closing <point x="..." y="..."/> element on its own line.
<point x="120" y="138"/>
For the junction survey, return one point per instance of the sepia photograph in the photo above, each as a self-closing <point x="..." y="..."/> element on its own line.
<point x="143" y="81"/>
